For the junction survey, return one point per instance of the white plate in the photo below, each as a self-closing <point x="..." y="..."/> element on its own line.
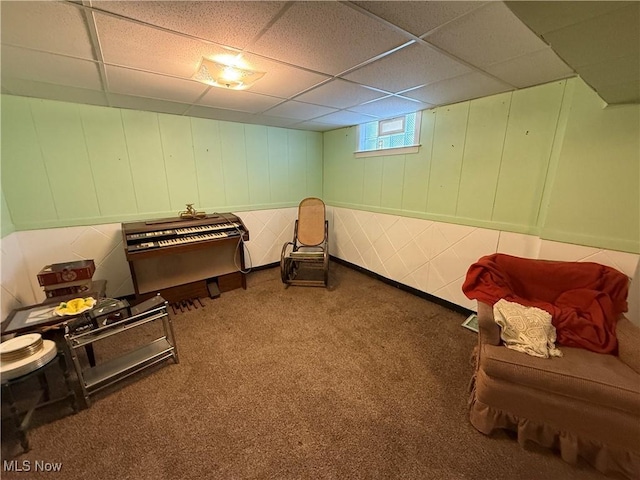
<point x="9" y="370"/>
<point x="17" y="343"/>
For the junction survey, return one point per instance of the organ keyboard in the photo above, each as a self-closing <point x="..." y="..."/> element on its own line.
<point x="173" y="255"/>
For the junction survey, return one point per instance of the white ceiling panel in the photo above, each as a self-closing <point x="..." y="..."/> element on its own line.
<point x="419" y="64"/>
<point x="390" y="107"/>
<point x="345" y="117"/>
<point x="543" y="17"/>
<point x="488" y="35"/>
<point x="418" y="18"/>
<point x="534" y="68"/>
<point x="274" y="121"/>
<point x="615" y="34"/>
<point x="326" y="37"/>
<point x="48" y="26"/>
<point x="30" y="88"/>
<point x="281" y="80"/>
<point x="144" y="84"/>
<point x="335" y="60"/>
<point x="299" y="110"/>
<point x="223" y="22"/>
<point x="316" y="126"/>
<point x="146" y="104"/>
<point x="49" y="68"/>
<point x="340" y="94"/>
<point x="466" y="87"/>
<point x="243" y="101"/>
<point x="219" y="114"/>
<point x="621" y="93"/>
<point x="132" y="45"/>
<point x="612" y="72"/>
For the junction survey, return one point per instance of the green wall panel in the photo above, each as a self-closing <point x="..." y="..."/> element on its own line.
<point x="392" y="180"/>
<point x="69" y="164"/>
<point x="314" y="164"/>
<point x="297" y="156"/>
<point x="446" y="163"/>
<point x="208" y="161"/>
<point x="372" y="189"/>
<point x="234" y="163"/>
<point x="416" y="167"/>
<point x="179" y="163"/>
<point x="539" y="160"/>
<point x="533" y="119"/>
<point x="109" y="159"/>
<point x="486" y="132"/>
<point x="278" y="164"/>
<point x="595" y="198"/>
<point x="256" y="137"/>
<point x="346" y="172"/>
<point x="64" y="149"/>
<point x="25" y="182"/>
<point x="142" y="133"/>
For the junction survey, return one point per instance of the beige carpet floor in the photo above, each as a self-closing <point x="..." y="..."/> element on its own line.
<point x="358" y="381"/>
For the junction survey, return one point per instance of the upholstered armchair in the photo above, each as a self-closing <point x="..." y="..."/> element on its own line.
<point x="583" y="404"/>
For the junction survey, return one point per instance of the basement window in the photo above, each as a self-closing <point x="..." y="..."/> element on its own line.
<point x="394" y="136"/>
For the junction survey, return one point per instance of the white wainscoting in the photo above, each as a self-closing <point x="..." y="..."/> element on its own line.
<point x="434" y="257"/>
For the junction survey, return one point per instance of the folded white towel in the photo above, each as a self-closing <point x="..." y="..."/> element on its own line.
<point x="526" y="329"/>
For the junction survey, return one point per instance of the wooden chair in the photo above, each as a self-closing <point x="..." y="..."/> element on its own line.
<point x="305" y="260"/>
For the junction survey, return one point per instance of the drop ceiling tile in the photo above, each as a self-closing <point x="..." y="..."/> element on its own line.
<point x="146" y="104"/>
<point x="316" y="126"/>
<point x="299" y="110"/>
<point x="30" y="88"/>
<point x="390" y="107"/>
<point x="29" y="24"/>
<point x="340" y="94"/>
<point x="621" y="93"/>
<point x="534" y="68"/>
<point x="219" y="114"/>
<point x="50" y="68"/>
<point x="453" y="90"/>
<point x="485" y="36"/>
<point x="129" y="44"/>
<point x="418" y="18"/>
<point x="241" y="100"/>
<point x="419" y="64"/>
<point x="543" y="17"/>
<point x="274" y="121"/>
<point x="616" y="34"/>
<point x="326" y="37"/>
<point x="280" y="80"/>
<point x="612" y="72"/>
<point x="204" y="19"/>
<point x="346" y="118"/>
<point x="143" y="84"/>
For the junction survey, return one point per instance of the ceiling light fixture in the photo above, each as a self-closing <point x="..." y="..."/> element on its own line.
<point x="226" y="76"/>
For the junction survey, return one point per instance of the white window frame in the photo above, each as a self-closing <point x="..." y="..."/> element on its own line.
<point x="392" y="122"/>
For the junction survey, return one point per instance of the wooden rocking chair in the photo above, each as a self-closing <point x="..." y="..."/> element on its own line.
<point x="305" y="260"/>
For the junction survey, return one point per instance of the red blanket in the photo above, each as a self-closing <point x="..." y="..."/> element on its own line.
<point x="584" y="299"/>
